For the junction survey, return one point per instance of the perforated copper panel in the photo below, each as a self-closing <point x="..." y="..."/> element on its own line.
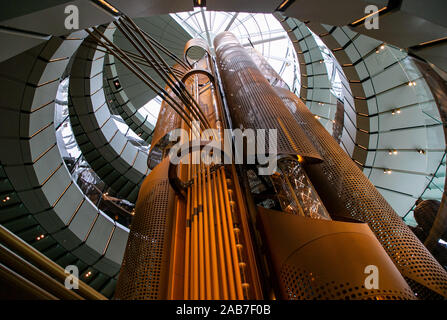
<point x="252" y="101"/>
<point x="345" y="190"/>
<point x="301" y="285"/>
<point x="144" y="271"/>
<point x="323" y="259"/>
<point x="168" y="119"/>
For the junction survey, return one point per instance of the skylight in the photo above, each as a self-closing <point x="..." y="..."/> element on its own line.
<point x="261" y="31"/>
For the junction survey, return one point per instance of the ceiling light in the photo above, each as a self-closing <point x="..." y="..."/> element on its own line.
<point x="284" y="5"/>
<point x="366" y="17"/>
<point x="40" y="237"/>
<point x="317" y="117"/>
<point x="387" y="171"/>
<point x="393" y="151"/>
<point x="432" y="41"/>
<point x="117" y="84"/>
<point x="107" y="6"/>
<point x="421" y="151"/>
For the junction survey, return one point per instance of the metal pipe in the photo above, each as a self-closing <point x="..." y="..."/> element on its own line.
<point x="206" y="236"/>
<point x="200" y="235"/>
<point x="36" y="276"/>
<point x="226" y="241"/>
<point x="215" y="279"/>
<point x="165" y="50"/>
<point x="187" y="239"/>
<point x="221" y="253"/>
<point x="20" y="247"/>
<point x="195" y="255"/>
<point x="164" y="76"/>
<point x="237" y="274"/>
<point x="21" y="284"/>
<point x="138" y="58"/>
<point x="173" y="105"/>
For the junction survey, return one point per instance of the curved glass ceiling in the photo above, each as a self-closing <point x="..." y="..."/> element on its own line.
<point x="261" y="31"/>
<point x="330" y="62"/>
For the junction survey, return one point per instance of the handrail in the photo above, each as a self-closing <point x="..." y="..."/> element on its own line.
<point x="31" y="290"/>
<point x="35" y="275"/>
<point x="33" y="256"/>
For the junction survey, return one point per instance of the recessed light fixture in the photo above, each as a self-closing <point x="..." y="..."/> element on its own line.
<point x="117" y="84"/>
<point x="353" y="24"/>
<point x="284" y="5"/>
<point x="382" y="47"/>
<point x="107" y="6"/>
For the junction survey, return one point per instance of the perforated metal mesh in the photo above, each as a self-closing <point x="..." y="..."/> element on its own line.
<point x="144" y="269"/>
<point x="252" y="101"/>
<point x="347" y="191"/>
<point x="266" y="69"/>
<point x="301" y="284"/>
<point x="168" y="119"/>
